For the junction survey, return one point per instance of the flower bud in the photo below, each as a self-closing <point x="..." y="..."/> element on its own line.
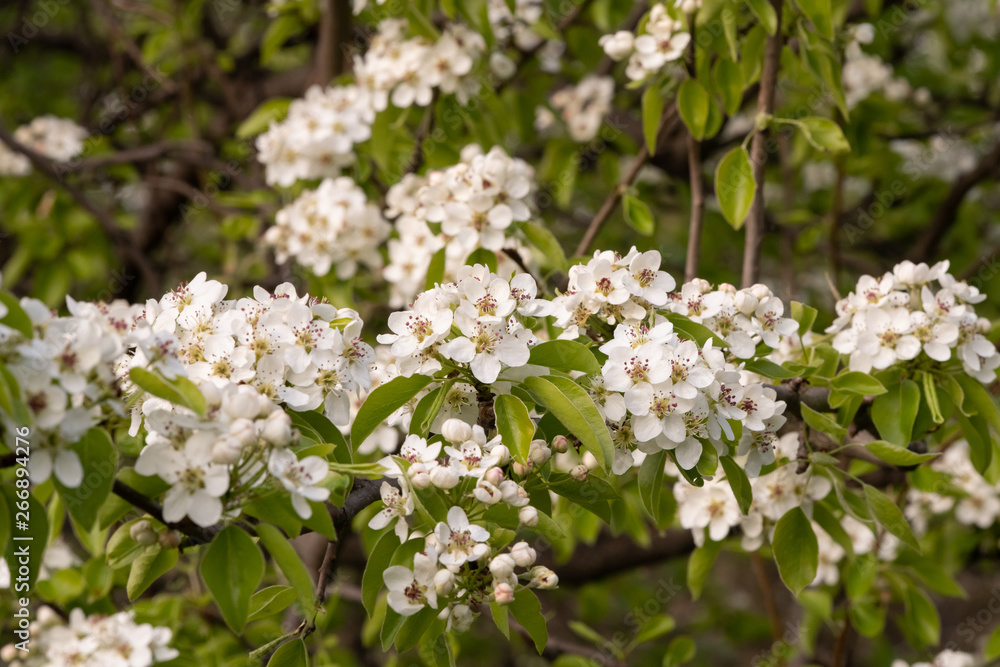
<point x="460" y="618"/>
<point x="243" y="430"/>
<point x="486" y="493"/>
<point x="560" y="444"/>
<point x="502" y="567"/>
<point x="513" y="493"/>
<point x="502" y="66"/>
<point x="143" y="533"/>
<point x="519" y="469"/>
<point x="502" y="454"/>
<point x="241" y="401"/>
<point x="579" y="472"/>
<point x="226" y="450"/>
<point x="444" y="582"/>
<point x="523" y="555"/>
<point x="528" y="516"/>
<point x="444" y="477"/>
<point x="543" y="578"/>
<point x="211" y="393"/>
<point x="8" y="653"/>
<point x="456" y="431"/>
<point x="277" y="428"/>
<point x="494" y="476"/>
<point x="539" y="453"/>
<point x="170" y="539"/>
<point x="418" y="475"/>
<point x="745" y="302"/>
<point x="503" y="593"/>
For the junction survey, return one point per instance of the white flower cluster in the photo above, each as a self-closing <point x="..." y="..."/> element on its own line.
<point x="979" y="504"/>
<point x="406" y="70"/>
<point x="742" y="318"/>
<point x="712" y="511"/>
<point x="946" y="658"/>
<point x="864" y="74"/>
<point x="467" y="206"/>
<point x="295" y="350"/>
<point x="943" y="157"/>
<point x="914" y="308"/>
<point x="663" y="41"/>
<point x="333" y="225"/>
<point x="89" y="641"/>
<point x="515" y="25"/>
<point x="65" y="373"/>
<point x="484" y="308"/>
<point x="317" y="137"/>
<point x="59" y="139"/>
<point x="582" y="107"/>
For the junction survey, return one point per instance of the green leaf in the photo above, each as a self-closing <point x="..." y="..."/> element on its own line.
<point x="992" y="649"/>
<point x="691" y="330"/>
<point x="382" y="402"/>
<point x="482" y="256"/>
<point x="572" y="406"/>
<point x="895" y="411"/>
<point x="922" y="618"/>
<point x="795" y="550"/>
<point x="97" y="456"/>
<point x="637" y="215"/>
<point x="586" y="494"/>
<point x="427" y="409"/>
<point x="868" y="617"/>
<point x="149" y="566"/>
<point x="501" y="618"/>
<point x="272" y="111"/>
<point x="15" y="318"/>
<point x="681" y="650"/>
<point x="735" y="186"/>
<point x="435" y="270"/>
<point x="769" y="369"/>
<point x="979" y="400"/>
<point x="896" y="455"/>
<point x="739" y="482"/>
<point x="824" y="134"/>
<point x="765" y="13"/>
<point x="413" y="628"/>
<point x="819" y="13"/>
<point x="977" y="433"/>
<point x="692" y="103"/>
<point x="657" y="626"/>
<point x="542" y="239"/>
<point x="565" y="355"/>
<point x="270" y="600"/>
<point x="652" y="111"/>
<point x="179" y="391"/>
<point x="514" y="425"/>
<point x="804" y="315"/>
<point x="289" y="562"/>
<point x="292" y="654"/>
<point x="232" y="568"/>
<point x="527" y="610"/>
<point x="860" y="384"/>
<point x="889" y="515"/>
<point x="324" y="429"/>
<point x="821" y="422"/>
<point x="651" y="484"/>
<point x="10" y="398"/>
<point x="278" y="32"/>
<point x="379" y="560"/>
<point x="729" y="80"/>
<point x="700" y="565"/>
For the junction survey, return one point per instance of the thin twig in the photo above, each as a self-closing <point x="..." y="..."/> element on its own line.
<point x="118" y="236"/>
<point x="767" y="591"/>
<point x="840" y="648"/>
<point x="947" y="213"/>
<point x="197" y="533"/>
<point x="758" y="153"/>
<point x="667" y="120"/>
<point x="694" y="174"/>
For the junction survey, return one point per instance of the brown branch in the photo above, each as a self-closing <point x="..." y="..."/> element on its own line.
<point x="758" y="152"/>
<point x="119" y="237"/>
<point x="667" y="120"/>
<point x="146" y="153"/>
<point x="767" y="590"/>
<point x="198" y="534"/>
<point x="694" y="172"/>
<point x="334" y="26"/>
<point x="613" y="555"/>
<point x="947" y="213"/>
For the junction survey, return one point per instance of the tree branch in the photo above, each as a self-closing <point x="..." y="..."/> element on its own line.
<point x="667" y="120"/>
<point x="612" y="555"/>
<point x="947" y="213"/>
<point x="758" y="153"/>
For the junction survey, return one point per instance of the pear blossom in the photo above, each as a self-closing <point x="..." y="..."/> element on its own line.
<point x="412" y="590"/>
<point x="301" y="478"/>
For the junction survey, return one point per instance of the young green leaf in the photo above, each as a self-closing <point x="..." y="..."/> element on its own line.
<point x="637" y="215"/>
<point x="693" y="103"/>
<point x="796" y="550"/>
<point x="150" y="565"/>
<point x="270" y="600"/>
<point x="765" y="13"/>
<point x="824" y="134"/>
<point x="565" y="355"/>
<point x="289" y="562"/>
<point x="232" y="568"/>
<point x="527" y="611"/>
<point x="896" y="455"/>
<point x="895" y="411"/>
<point x="735" y="186"/>
<point x="728" y="78"/>
<point x="514" y="425"/>
<point x="179" y="390"/>
<point x="861" y="384"/>
<point x="889" y="515"/>
<point x="700" y="565"/>
<point x="572" y="406"/>
<point x="739" y="482"/>
<point x="292" y="654"/>
<point x="819" y="13"/>
<point x="652" y="111"/>
<point x="97" y="456"/>
<point x="382" y="402"/>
